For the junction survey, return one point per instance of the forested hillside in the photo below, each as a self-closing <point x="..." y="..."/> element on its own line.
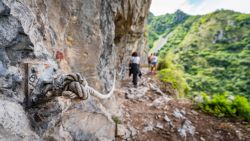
<point x="207" y="54"/>
<point x="163" y="25"/>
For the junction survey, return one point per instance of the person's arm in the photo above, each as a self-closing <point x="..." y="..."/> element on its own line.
<point x="130" y="62"/>
<point x="139" y="62"/>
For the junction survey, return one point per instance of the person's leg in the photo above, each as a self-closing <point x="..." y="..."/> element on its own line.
<point x="154" y="68"/>
<point x="135" y="79"/>
<point x="130" y="69"/>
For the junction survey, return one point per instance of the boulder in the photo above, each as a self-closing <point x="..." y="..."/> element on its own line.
<point x="14" y="122"/>
<point x="64" y="119"/>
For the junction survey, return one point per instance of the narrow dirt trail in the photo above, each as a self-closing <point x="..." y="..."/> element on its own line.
<point x="150" y="114"/>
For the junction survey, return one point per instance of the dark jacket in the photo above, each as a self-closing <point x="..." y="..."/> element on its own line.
<point x="134" y="69"/>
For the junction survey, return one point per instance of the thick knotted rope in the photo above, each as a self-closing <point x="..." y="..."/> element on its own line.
<point x="71" y="85"/>
<point x="75" y="86"/>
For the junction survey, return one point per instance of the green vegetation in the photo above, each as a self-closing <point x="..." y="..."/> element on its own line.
<point x="164" y="24"/>
<point x="178" y="34"/>
<point x="207" y="54"/>
<point x="152" y="37"/>
<point x="116" y="120"/>
<point x="224" y="105"/>
<point x="175" y="75"/>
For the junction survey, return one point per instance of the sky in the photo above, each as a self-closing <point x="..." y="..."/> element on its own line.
<point x="198" y="7"/>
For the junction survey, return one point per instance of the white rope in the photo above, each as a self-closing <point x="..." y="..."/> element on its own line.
<point x="78" y="87"/>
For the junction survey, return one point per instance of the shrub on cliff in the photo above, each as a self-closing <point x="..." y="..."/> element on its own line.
<point x="172" y="73"/>
<point x="224" y="105"/>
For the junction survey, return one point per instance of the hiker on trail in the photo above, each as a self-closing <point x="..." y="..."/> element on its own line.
<point x="154" y="60"/>
<point x="149" y="60"/>
<point x="134" y="65"/>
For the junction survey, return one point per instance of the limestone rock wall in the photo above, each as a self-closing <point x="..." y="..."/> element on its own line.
<point x="130" y="18"/>
<point x="15" y="48"/>
<point x="93" y="37"/>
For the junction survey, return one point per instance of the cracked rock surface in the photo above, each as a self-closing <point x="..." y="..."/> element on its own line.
<point x="93" y="37"/>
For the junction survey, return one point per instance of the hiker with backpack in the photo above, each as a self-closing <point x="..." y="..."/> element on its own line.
<point x="154" y="60"/>
<point x="134" y="65"/>
<point x="149" y="60"/>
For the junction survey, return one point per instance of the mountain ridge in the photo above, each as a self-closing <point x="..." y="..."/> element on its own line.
<point x="211" y="48"/>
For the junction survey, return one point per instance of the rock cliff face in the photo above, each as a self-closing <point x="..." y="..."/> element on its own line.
<point x="93" y="37"/>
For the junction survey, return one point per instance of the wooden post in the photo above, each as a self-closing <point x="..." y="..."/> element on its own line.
<point x="26" y="82"/>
